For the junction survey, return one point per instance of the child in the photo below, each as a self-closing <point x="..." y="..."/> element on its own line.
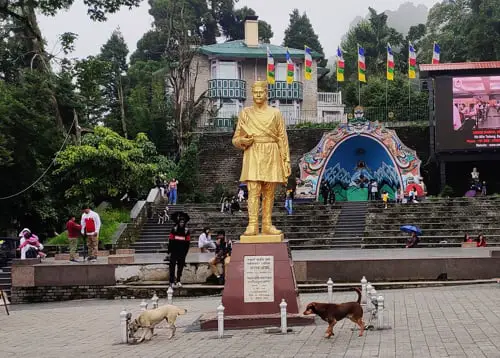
<point x="385" y="199"/>
<point x="241" y="195"/>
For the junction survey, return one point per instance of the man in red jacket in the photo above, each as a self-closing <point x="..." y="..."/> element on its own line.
<point x="73" y="235"/>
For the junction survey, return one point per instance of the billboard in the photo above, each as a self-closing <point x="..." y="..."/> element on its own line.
<point x="467" y="113"/>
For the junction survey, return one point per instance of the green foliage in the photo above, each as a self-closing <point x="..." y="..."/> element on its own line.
<point x="110" y="218"/>
<point x="106" y="166"/>
<point x="188" y="175"/>
<point x="447" y="192"/>
<point x="310" y="125"/>
<point x="467" y="30"/>
<point x="300" y="32"/>
<point x="233" y="25"/>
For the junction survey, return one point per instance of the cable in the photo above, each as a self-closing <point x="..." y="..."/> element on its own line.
<point x="46" y="170"/>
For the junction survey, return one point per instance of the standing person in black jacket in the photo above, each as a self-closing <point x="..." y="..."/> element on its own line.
<point x="178" y="247"/>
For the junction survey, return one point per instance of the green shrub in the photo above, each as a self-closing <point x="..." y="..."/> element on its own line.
<point x="446" y="192"/>
<point x="110" y="219"/>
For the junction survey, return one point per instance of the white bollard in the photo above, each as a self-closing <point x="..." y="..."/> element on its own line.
<point x="329" y="283"/>
<point x="143" y="305"/>
<point x="380" y="313"/>
<point x="123" y="326"/>
<point x="369" y="288"/>
<point x="220" y="320"/>
<point x="155" y="301"/>
<point x="284" y="327"/>
<point x="170" y="293"/>
<point x="363" y="290"/>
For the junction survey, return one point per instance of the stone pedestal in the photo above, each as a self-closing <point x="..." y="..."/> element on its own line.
<point x="258" y="277"/>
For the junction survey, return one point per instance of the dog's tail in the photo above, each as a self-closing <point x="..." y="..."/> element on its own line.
<point x="359" y="294"/>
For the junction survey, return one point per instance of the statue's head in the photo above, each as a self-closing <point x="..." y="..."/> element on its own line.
<point x="259" y="92"/>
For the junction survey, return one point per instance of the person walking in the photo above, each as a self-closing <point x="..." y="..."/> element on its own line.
<point x="289" y="201"/>
<point x="172" y="191"/>
<point x="178" y="247"/>
<point x="325" y="191"/>
<point x="73" y="235"/>
<point x="91" y="224"/>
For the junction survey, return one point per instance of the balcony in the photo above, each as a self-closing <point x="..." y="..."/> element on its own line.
<point x="326" y="99"/>
<point x="282" y="90"/>
<point x="227" y="88"/>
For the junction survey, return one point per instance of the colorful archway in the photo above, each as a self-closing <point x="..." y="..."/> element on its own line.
<point x="354" y="154"/>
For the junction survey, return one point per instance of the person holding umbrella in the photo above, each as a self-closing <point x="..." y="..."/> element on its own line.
<point x="178" y="247"/>
<point x="414" y="232"/>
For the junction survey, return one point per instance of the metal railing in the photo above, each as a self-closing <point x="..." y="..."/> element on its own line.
<point x="226" y="121"/>
<point x="128" y="234"/>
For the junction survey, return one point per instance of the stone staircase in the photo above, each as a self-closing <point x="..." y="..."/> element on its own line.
<point x="443" y="222"/>
<point x="5" y="278"/>
<point x="311" y="225"/>
<point x="351" y="224"/>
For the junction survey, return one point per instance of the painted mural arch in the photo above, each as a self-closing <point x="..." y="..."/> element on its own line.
<point x="352" y="155"/>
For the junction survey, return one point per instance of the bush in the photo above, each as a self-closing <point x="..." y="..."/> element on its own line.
<point x="447" y="192"/>
<point x="110" y="218"/>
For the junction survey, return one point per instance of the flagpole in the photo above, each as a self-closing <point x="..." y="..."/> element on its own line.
<point x="359" y="82"/>
<point x="386" y="100"/>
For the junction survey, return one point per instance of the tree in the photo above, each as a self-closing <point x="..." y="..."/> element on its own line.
<point x="467" y="30"/>
<point x="148" y="105"/>
<point x="115" y="52"/>
<point x="182" y="69"/>
<point x="233" y="25"/>
<point x="373" y="35"/>
<point x="89" y="74"/>
<point x="22" y="14"/>
<point x="107" y="166"/>
<point x="28" y="141"/>
<point x="300" y="33"/>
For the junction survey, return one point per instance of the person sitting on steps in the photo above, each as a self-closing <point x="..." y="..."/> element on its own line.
<point x="222" y="255"/>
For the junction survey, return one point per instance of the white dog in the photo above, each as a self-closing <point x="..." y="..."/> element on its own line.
<point x="147" y="320"/>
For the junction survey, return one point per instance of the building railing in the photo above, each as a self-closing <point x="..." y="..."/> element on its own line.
<point x="329" y="99"/>
<point x="227" y="88"/>
<point x="391" y="115"/>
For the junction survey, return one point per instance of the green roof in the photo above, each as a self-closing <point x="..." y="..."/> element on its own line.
<point x="238" y="49"/>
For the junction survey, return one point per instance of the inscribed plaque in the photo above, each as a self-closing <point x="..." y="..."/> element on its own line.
<point x="259" y="279"/>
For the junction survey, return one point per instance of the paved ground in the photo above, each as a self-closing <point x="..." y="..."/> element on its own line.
<point x="330" y="255"/>
<point x="429" y="322"/>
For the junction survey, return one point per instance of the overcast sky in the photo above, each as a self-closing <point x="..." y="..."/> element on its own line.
<point x="330" y="20"/>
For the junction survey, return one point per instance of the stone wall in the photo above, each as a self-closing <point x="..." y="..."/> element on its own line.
<point x="55" y="293"/>
<point x="220" y="162"/>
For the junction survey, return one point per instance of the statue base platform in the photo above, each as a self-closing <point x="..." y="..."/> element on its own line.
<point x="258" y="277"/>
<point x="261" y="239"/>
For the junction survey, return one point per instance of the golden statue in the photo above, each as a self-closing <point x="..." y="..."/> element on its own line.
<point x="261" y="133"/>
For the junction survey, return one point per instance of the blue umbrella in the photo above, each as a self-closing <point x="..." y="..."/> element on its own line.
<point x="411" y="229"/>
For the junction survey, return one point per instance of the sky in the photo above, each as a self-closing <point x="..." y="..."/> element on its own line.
<point x="330" y="20"/>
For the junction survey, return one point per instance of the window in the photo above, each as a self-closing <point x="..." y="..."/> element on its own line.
<point x="281" y="72"/>
<point x="226" y="70"/>
<point x="228" y="108"/>
<point x="290" y="109"/>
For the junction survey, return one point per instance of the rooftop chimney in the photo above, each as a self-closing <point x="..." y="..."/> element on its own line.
<point x="252" y="31"/>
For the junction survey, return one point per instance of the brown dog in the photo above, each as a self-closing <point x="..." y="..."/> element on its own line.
<point x="332" y="313"/>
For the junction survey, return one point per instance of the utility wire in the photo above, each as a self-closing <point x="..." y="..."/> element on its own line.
<point x="46" y="170"/>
